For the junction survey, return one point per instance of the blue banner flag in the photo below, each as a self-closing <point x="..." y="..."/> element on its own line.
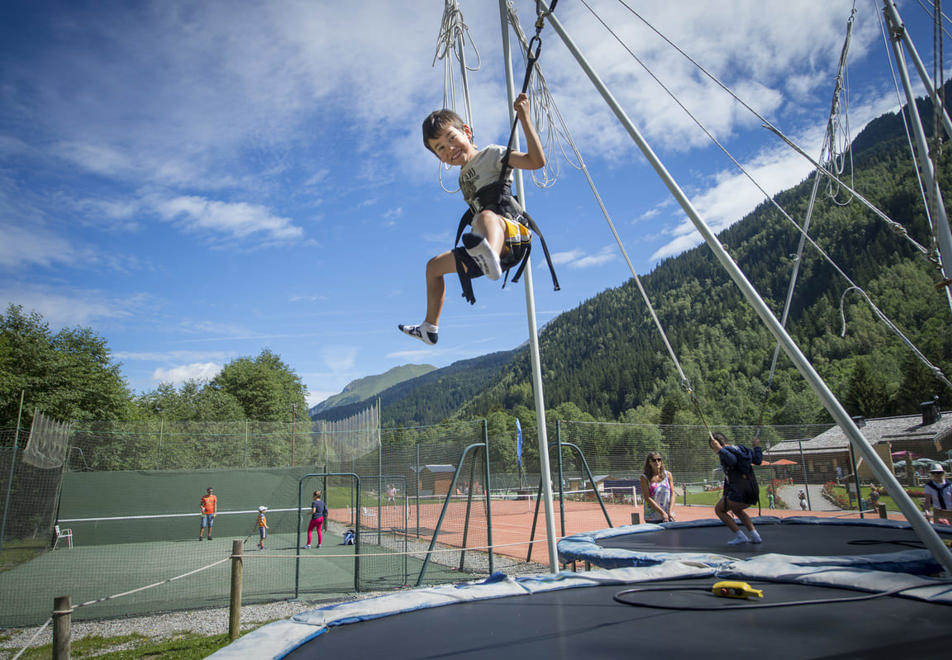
<point x="518" y="442"/>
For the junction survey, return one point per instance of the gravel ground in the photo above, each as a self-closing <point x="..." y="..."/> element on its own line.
<point x="215" y="621"/>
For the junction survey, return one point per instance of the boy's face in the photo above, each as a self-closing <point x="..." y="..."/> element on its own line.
<point x="453" y="146"/>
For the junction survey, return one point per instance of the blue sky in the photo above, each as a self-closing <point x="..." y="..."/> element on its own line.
<point x="199" y="181"/>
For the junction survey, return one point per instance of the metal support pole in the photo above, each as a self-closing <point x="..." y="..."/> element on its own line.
<point x="13" y="461"/>
<point x="940" y="219"/>
<point x="293" y="419"/>
<point x="416" y="487"/>
<point x="297" y="552"/>
<point x="489" y="499"/>
<point x="446" y="505"/>
<point x="234" y="610"/>
<point x="561" y="473"/>
<point x="923" y="529"/>
<point x="533" y="330"/>
<point x="890" y="10"/>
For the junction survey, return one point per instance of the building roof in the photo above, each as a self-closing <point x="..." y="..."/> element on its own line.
<point x="437" y="468"/>
<point x="899" y="431"/>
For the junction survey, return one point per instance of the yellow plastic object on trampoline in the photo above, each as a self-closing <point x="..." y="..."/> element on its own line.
<point x="735" y="589"/>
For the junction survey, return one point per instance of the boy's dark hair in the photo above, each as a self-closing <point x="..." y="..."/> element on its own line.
<point x="438" y="121"/>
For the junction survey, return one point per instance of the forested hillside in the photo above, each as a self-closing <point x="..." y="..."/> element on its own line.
<point x="364" y="389"/>
<point x="432" y="397"/>
<point x="607" y="357"/>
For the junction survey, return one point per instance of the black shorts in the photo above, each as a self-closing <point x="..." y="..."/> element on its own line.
<point x="742" y="488"/>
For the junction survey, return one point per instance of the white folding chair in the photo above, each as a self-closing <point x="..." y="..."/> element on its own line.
<point x="63" y="534"/>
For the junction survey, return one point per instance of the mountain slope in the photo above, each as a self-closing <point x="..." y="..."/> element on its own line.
<point x="431" y="397"/>
<point x="362" y="389"/>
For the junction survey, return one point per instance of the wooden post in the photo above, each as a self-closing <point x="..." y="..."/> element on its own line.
<point x="636" y="518"/>
<point x="61" y="634"/>
<point x="234" y="614"/>
<point x="881" y="508"/>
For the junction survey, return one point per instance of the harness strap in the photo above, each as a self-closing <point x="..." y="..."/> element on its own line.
<point x="465" y="265"/>
<point x="499" y="193"/>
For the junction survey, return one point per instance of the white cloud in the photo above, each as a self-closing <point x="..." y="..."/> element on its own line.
<point x="200" y="371"/>
<point x="27" y="246"/>
<point x="314" y="397"/>
<point x="579" y="258"/>
<point x="170" y="356"/>
<point x="236" y="219"/>
<point x="65" y="307"/>
<point x="340" y="359"/>
<point x="732" y="194"/>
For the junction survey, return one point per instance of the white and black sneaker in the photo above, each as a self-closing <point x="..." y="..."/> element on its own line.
<point x="425" y="332"/>
<point x="488" y="261"/>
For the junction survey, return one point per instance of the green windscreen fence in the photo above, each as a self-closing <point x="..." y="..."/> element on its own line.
<point x="140" y="528"/>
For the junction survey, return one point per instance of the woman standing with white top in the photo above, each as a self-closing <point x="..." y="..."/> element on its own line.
<point x="657" y="489"/>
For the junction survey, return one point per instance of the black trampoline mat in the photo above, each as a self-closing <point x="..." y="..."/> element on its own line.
<point x="789" y="539"/>
<point x="587" y="623"/>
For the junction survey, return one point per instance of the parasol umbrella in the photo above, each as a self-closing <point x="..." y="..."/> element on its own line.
<point x="903" y="454"/>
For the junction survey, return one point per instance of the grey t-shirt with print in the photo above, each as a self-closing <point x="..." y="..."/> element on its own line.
<point x="482" y="170"/>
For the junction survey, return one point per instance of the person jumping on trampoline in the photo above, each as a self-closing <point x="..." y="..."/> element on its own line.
<point x="740" y="486"/>
<point x="494" y="223"/>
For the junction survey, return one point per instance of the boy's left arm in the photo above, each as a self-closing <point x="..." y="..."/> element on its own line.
<point x="534" y="156"/>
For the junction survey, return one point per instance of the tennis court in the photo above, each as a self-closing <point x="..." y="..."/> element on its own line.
<point x="114" y="552"/>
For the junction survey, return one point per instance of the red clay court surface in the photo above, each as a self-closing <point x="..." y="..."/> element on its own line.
<point x="512" y="522"/>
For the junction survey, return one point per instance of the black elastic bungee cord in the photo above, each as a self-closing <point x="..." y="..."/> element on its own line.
<point x="752" y="606"/>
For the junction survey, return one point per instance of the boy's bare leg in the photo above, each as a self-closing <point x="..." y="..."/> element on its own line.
<point x="436" y="268"/>
<point x="491" y="227"/>
<point x="485" y="243"/>
<point x="726" y="516"/>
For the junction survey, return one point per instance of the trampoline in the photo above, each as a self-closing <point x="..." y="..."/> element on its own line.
<point x="870" y="600"/>
<point x="872" y="543"/>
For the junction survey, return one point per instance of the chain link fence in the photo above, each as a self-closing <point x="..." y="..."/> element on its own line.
<point x="422" y="488"/>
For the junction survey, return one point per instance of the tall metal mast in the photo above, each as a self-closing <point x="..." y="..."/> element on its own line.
<point x="544" y="467"/>
<point x="940" y="220"/>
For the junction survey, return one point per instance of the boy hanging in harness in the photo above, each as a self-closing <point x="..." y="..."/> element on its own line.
<point x="500" y="236"/>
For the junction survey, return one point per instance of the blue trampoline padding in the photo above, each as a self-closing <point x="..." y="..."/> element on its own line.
<point x="782" y="568"/>
<point x="275" y="640"/>
<point x="586" y="546"/>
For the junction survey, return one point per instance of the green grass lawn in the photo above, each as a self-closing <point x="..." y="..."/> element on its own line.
<point x="864" y="493"/>
<point x="183" y="646"/>
<point x="704" y="498"/>
<point x="710" y="498"/>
